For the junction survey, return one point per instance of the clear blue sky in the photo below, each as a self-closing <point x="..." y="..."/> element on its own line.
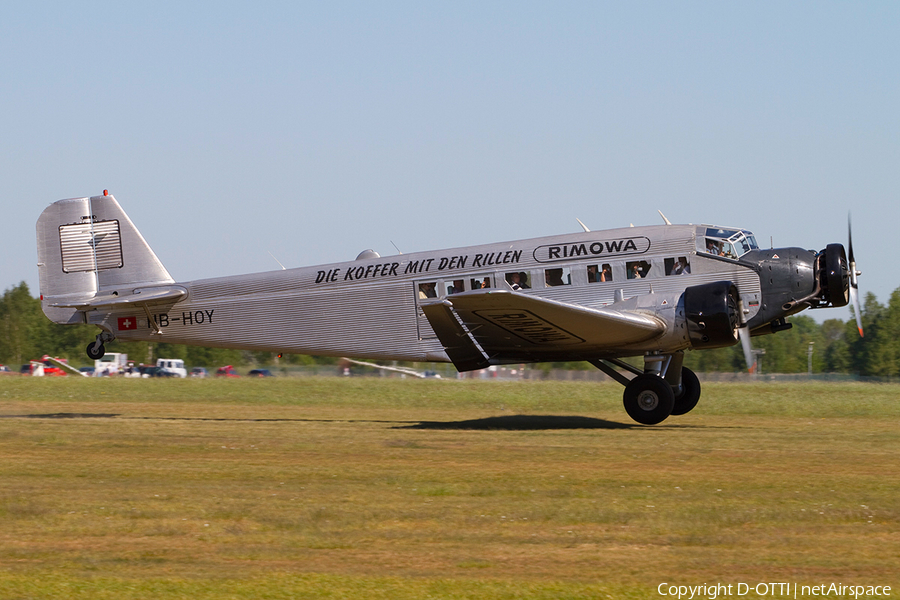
<point x="228" y="130"/>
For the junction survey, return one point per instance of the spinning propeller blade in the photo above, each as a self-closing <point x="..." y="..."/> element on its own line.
<point x="744" y="334"/>
<point x="854" y="283"/>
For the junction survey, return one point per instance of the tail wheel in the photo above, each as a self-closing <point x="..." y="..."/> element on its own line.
<point x="96" y="350"/>
<point x="648" y="399"/>
<point x="690" y="393"/>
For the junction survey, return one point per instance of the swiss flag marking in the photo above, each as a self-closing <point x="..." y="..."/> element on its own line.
<point x="126" y="323"/>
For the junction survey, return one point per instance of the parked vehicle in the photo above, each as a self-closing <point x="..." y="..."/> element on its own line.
<point x="110" y="363"/>
<point x="199" y="372"/>
<point x="174" y="367"/>
<point x="227" y="371"/>
<point x="43" y="368"/>
<point x="260" y="373"/>
<point x="152" y="371"/>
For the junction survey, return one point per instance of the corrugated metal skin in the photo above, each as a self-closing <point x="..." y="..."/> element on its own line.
<point x="368" y="308"/>
<point x="703" y="270"/>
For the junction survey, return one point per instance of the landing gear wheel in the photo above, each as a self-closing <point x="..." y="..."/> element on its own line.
<point x="690" y="393"/>
<point x="96" y="350"/>
<point x="648" y="399"/>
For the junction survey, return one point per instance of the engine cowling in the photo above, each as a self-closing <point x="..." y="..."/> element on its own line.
<point x="834" y="278"/>
<point x="712" y="314"/>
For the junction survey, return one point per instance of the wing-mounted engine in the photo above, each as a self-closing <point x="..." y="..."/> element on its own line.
<point x="712" y="314"/>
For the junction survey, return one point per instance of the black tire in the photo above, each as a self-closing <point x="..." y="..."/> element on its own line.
<point x="648" y="399"/>
<point x="95" y="354"/>
<point x="690" y="393"/>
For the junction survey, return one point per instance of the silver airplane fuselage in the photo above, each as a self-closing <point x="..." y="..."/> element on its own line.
<point x="597" y="296"/>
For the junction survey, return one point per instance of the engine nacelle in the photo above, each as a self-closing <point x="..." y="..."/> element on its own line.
<point x="711" y="312"/>
<point x="834" y="277"/>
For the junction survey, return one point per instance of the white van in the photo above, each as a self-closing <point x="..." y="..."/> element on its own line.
<point x="173" y="367"/>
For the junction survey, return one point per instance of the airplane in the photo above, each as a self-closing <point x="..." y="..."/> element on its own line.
<point x="597" y="296"/>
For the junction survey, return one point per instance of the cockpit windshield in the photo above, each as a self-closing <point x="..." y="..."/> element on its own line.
<point x="730" y="243"/>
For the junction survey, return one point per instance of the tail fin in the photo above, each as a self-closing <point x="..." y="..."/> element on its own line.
<point x="89" y="248"/>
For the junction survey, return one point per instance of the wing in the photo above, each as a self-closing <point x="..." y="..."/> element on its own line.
<point x="481" y="328"/>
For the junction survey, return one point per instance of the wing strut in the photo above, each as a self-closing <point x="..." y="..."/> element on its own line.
<point x="601" y="364"/>
<point x="150" y="320"/>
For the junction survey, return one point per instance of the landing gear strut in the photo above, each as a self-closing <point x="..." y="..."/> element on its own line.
<point x="663" y="388"/>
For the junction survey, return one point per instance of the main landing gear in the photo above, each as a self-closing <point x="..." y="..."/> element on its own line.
<point x="663" y="388"/>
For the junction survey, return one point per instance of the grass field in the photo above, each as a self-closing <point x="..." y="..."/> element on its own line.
<point x="386" y="488"/>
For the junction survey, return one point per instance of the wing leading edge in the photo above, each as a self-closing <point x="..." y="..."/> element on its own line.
<point x="481" y="328"/>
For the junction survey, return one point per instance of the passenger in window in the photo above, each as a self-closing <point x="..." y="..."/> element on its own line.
<point x="479" y="284"/>
<point x="682" y="267"/>
<point x="456" y="287"/>
<point x="553" y="277"/>
<point x="517" y="281"/>
<point x="606" y="273"/>
<point x="597" y="274"/>
<point x="638" y="269"/>
<point x="427" y="290"/>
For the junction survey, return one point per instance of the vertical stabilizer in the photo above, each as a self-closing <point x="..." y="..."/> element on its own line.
<point x="89" y="247"/>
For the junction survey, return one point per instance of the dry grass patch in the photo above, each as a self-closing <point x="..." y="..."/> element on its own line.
<point x="440" y="487"/>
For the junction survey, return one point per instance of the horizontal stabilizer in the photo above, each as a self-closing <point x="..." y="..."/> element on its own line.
<point x="166" y="295"/>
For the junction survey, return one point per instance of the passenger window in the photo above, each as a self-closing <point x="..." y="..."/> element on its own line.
<point x="480" y="282"/>
<point x="678" y="266"/>
<point x="427" y="289"/>
<point x="518" y="280"/>
<point x="455" y="286"/>
<point x="637" y="269"/>
<point x="598" y="273"/>
<point x="556" y="277"/>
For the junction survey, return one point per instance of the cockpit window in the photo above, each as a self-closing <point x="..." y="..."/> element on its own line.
<point x="730" y="243"/>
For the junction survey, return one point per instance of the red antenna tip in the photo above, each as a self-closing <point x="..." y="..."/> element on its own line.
<point x="106" y="192"/>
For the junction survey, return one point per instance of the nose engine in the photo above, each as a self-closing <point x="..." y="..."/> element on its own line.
<point x="838" y="278"/>
<point x="793" y="279"/>
<point x="834" y="276"/>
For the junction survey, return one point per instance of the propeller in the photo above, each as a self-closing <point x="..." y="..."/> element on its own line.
<point x="854" y="283"/>
<point x="744" y="334"/>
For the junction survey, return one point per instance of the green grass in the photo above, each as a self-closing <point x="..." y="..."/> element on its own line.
<point x="370" y="488"/>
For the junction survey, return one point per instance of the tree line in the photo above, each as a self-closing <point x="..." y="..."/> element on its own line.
<point x="833" y="346"/>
